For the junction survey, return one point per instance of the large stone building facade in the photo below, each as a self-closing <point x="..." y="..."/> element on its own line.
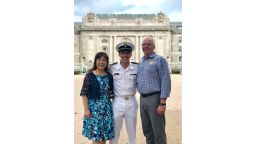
<point x="102" y="32"/>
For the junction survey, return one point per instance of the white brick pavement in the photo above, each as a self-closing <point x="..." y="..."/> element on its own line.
<point x="173" y="115"/>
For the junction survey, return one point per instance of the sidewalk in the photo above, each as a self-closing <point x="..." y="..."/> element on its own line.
<point x="173" y="115"/>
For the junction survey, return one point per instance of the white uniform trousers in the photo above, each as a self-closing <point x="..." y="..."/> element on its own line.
<point x="125" y="108"/>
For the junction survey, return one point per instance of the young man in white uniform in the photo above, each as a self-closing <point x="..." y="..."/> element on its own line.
<point x="125" y="105"/>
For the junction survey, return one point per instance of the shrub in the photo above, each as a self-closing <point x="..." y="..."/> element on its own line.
<point x="76" y="72"/>
<point x="175" y="71"/>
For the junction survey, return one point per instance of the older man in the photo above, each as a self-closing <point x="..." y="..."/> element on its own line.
<point x="154" y="86"/>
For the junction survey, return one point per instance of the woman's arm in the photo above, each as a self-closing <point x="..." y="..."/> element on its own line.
<point x="87" y="112"/>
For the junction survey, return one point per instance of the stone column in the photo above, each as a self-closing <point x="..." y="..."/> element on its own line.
<point x="114" y="46"/>
<point x="110" y="50"/>
<point x="137" y="48"/>
<point x="83" y="49"/>
<point x="140" y="46"/>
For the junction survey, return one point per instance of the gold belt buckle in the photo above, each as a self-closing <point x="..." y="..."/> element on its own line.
<point x="126" y="98"/>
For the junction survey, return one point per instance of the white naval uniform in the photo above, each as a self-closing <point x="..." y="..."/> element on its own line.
<point x="124" y="103"/>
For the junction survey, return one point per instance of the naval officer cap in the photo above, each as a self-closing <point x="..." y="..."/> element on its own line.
<point x="124" y="46"/>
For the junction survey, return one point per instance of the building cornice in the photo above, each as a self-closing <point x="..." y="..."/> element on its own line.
<point x="126" y="28"/>
<point x="176" y="31"/>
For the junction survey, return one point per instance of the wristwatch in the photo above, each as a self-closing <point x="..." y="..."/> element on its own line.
<point x="162" y="104"/>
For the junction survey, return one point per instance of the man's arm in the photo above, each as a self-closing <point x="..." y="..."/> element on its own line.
<point x="164" y="74"/>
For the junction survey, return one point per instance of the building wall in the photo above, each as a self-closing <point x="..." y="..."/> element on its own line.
<point x="103" y="32"/>
<point x="77" y="61"/>
<point x="176" y="52"/>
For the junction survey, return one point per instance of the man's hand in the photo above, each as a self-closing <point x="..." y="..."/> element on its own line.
<point x="161" y="109"/>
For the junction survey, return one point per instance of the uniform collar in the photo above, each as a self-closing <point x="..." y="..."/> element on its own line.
<point x="130" y="66"/>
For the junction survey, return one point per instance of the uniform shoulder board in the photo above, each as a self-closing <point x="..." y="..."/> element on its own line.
<point x="134" y="63"/>
<point x="114" y="63"/>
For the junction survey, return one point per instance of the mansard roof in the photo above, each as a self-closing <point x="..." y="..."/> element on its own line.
<point x="176" y="27"/>
<point x="77" y="27"/>
<point x="125" y="16"/>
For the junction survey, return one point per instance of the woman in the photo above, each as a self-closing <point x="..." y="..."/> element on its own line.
<point x="97" y="88"/>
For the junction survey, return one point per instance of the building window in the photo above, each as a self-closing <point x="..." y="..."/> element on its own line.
<point x="179" y="27"/>
<point x="104" y="41"/>
<point x="180" y="58"/>
<point x="180" y="39"/>
<point x="138" y="22"/>
<point x="180" y="48"/>
<point x="104" y="48"/>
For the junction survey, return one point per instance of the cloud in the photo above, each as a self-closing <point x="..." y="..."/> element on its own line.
<point x="172" y="8"/>
<point x="174" y="16"/>
<point x="144" y="3"/>
<point x="77" y="18"/>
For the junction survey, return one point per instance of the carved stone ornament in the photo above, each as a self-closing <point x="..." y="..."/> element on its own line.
<point x="90" y="17"/>
<point x="160" y="17"/>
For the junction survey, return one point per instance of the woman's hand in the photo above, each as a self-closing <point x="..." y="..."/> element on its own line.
<point x="87" y="113"/>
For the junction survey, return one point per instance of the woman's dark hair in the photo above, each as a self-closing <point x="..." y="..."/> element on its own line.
<point x="97" y="56"/>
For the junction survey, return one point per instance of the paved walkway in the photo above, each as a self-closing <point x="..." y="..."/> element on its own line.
<point x="173" y="115"/>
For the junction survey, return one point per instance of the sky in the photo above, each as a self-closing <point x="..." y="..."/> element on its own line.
<point x="171" y="8"/>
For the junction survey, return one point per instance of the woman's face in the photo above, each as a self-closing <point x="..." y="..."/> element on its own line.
<point x="101" y="63"/>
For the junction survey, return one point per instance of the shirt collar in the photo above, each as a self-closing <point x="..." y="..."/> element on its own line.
<point x="119" y="65"/>
<point x="150" y="56"/>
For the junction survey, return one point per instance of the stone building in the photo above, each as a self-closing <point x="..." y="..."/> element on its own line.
<point x="102" y="32"/>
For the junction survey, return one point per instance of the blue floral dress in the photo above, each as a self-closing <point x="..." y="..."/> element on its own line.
<point x="100" y="126"/>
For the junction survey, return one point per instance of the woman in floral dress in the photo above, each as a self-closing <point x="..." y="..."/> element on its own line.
<point x="97" y="89"/>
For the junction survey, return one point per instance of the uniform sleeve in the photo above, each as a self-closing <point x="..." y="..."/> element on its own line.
<point x="84" y="90"/>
